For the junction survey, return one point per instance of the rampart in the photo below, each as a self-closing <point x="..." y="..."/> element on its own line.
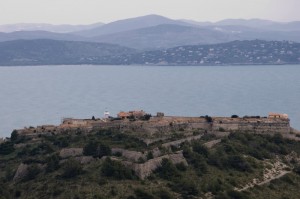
<point x="167" y="124"/>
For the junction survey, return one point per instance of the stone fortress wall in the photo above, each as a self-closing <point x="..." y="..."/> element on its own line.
<point x="165" y="124"/>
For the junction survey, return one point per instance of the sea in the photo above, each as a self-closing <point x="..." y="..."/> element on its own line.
<point x="37" y="95"/>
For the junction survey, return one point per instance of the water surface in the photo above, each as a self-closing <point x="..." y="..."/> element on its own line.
<point x="35" y="95"/>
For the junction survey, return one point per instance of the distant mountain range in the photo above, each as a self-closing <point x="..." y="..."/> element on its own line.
<point x="54" y="52"/>
<point x="152" y="39"/>
<point x="46" y="27"/>
<point x="157" y="32"/>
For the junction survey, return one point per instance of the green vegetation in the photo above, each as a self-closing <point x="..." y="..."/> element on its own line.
<point x="96" y="149"/>
<point x="116" y="170"/>
<point x="232" y="163"/>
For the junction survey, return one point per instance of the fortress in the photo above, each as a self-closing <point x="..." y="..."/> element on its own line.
<point x="152" y="126"/>
<point x="160" y="135"/>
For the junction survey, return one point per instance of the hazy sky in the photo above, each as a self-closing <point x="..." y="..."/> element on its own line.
<point x="91" y="11"/>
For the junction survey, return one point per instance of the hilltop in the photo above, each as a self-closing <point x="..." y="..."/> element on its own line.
<point x="140" y="156"/>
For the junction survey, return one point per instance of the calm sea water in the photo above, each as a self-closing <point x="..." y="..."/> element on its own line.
<point x="36" y="95"/>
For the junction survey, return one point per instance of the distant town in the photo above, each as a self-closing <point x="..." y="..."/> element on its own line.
<point x="237" y="52"/>
<point x="49" y="52"/>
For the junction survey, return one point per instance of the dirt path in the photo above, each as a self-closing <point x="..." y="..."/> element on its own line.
<point x="277" y="170"/>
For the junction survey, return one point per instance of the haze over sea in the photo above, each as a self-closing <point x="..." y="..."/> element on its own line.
<point x="36" y="95"/>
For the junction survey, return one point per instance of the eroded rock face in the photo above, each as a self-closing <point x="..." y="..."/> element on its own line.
<point x="71" y="152"/>
<point x="21" y="172"/>
<point x="145" y="169"/>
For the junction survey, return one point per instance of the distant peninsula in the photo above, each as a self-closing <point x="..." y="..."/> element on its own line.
<point x="58" y="52"/>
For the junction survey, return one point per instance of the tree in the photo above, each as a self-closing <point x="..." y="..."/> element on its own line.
<point x="14" y="135"/>
<point x="208" y="119"/>
<point x="146" y="117"/>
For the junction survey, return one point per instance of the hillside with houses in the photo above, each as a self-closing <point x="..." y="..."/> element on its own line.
<point x="55" y="52"/>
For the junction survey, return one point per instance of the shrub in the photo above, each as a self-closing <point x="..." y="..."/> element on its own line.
<point x="186" y="187"/>
<point x="221" y="129"/>
<point x="90" y="148"/>
<point x="237" y="195"/>
<point x="96" y="149"/>
<point x="142" y="194"/>
<point x="52" y="163"/>
<point x="71" y="168"/>
<point x="181" y="166"/>
<point x="116" y="170"/>
<point x="33" y="171"/>
<point x="278" y="138"/>
<point x="238" y="162"/>
<point x="214" y="186"/>
<point x="9" y="174"/>
<point x="196" y="160"/>
<point x="167" y="170"/>
<point x="150" y="155"/>
<point x="146" y="117"/>
<point x="164" y="194"/>
<point x="43" y="148"/>
<point x="200" y="149"/>
<point x="297" y="169"/>
<point x="234" y="116"/>
<point x="62" y="142"/>
<point x="6" y="148"/>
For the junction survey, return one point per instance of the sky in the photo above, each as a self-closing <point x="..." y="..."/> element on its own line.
<point x="92" y="11"/>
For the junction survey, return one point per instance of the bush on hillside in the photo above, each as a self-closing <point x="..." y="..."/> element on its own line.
<point x="6" y="148"/>
<point x="96" y="149"/>
<point x="167" y="170"/>
<point x="71" y="169"/>
<point x="116" y="170"/>
<point x="32" y="172"/>
<point x="52" y="163"/>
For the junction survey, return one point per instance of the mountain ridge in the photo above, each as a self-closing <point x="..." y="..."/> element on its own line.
<point x="158" y="32"/>
<point x="61" y="28"/>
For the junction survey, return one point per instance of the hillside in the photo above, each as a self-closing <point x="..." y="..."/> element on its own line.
<point x="54" y="52"/>
<point x="119" y="163"/>
<point x="236" y="52"/>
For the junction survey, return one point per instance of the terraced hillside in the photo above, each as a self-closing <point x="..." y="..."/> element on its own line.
<point x="109" y="163"/>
